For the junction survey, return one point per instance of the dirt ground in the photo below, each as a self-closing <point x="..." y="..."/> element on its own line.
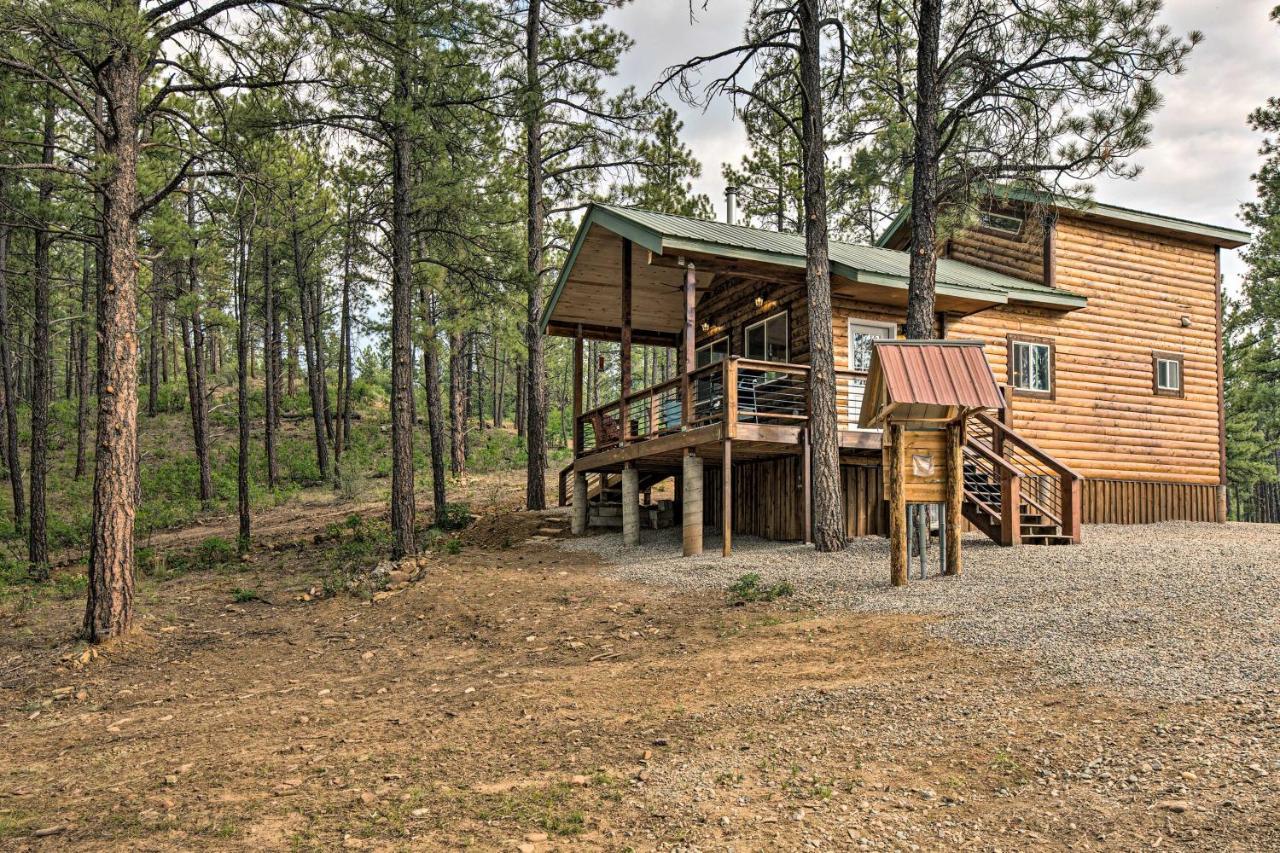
<point x="515" y="698"/>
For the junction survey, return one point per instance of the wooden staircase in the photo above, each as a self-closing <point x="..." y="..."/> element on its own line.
<point x="1016" y="493"/>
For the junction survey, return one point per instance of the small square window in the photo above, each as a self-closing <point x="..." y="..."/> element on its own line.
<point x="1031" y="364"/>
<point x="1166" y="374"/>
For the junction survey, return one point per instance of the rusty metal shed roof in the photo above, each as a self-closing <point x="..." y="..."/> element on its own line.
<point x="927" y="380"/>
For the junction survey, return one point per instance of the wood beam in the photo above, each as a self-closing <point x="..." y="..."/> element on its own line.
<point x="726" y="499"/>
<point x="688" y="360"/>
<point x="955" y="496"/>
<point x="742" y="269"/>
<point x="577" y="393"/>
<point x="624" y="391"/>
<point x="594" y="332"/>
<point x="897" y="506"/>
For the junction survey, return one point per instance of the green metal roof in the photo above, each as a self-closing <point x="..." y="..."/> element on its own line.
<point x="666" y="234"/>
<point x="1228" y="238"/>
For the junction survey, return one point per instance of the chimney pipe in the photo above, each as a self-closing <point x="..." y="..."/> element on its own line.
<point x="730" y="204"/>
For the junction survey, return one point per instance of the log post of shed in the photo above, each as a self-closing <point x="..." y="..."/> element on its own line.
<point x="624" y="346"/>
<point x="691" y="504"/>
<point x="897" y="506"/>
<point x="630" y="505"/>
<point x="955" y="495"/>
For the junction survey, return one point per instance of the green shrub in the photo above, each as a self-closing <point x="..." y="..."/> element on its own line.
<point x="456" y="516"/>
<point x="750" y="587"/>
<point x="215" y="551"/>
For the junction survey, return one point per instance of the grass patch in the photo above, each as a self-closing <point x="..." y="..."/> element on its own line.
<point x="750" y="588"/>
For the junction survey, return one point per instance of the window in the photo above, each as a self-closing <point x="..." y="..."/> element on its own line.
<point x="1031" y="364"/>
<point x="1000" y="222"/>
<point x="1166" y="374"/>
<point x="767" y="340"/>
<point x="711" y="352"/>
<point x="862" y="335"/>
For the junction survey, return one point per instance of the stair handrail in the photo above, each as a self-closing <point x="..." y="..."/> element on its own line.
<point x="1027" y="444"/>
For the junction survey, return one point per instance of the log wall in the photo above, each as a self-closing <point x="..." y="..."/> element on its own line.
<point x="729" y="307"/>
<point x="1106" y="421"/>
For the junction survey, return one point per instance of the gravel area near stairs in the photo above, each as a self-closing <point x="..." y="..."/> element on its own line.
<point x="1176" y="610"/>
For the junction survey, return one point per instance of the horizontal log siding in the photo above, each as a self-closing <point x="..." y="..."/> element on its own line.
<point x="729" y="307"/>
<point x="1142" y="502"/>
<point x="1105" y="421"/>
<point x="1021" y="256"/>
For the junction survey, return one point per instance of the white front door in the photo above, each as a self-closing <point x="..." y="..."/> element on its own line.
<point x="861" y="335"/>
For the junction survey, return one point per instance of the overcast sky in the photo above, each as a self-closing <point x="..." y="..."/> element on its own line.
<point x="1202" y="151"/>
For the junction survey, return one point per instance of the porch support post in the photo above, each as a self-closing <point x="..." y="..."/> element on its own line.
<point x="577" y="393"/>
<point x="580" y="500"/>
<point x="624" y="346"/>
<point x="691" y="505"/>
<point x="897" y="508"/>
<point x="806" y="488"/>
<point x="955" y="494"/>
<point x="726" y="499"/>
<point x="630" y="505"/>
<point x="688" y="357"/>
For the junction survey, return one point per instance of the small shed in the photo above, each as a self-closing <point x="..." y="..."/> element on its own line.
<point x="920" y="393"/>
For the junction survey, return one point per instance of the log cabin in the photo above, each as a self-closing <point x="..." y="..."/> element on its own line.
<point x="1102" y="324"/>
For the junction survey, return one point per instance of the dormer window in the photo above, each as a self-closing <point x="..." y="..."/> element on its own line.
<point x="1001" y="223"/>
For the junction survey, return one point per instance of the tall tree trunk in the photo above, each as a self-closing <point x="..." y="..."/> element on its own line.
<point x="243" y="254"/>
<point x="82" y="367"/>
<point x="403" y="509"/>
<point x="824" y="439"/>
<point x="924" y="180"/>
<point x="435" y="417"/>
<point x="315" y="389"/>
<point x="14" y="458"/>
<point x="270" y="363"/>
<point x="163" y="303"/>
<point x="41" y="380"/>
<point x="109" y="603"/>
<point x="457" y="402"/>
<point x="535" y="436"/>
<point x="291" y="351"/>
<point x="196" y="362"/>
<point x="153" y="342"/>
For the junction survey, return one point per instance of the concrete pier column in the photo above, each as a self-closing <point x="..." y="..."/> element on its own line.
<point x="580" y="499"/>
<point x="692" y="504"/>
<point x="630" y="506"/>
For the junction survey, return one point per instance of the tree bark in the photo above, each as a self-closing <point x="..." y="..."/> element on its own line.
<point x="109" y="603"/>
<point x="315" y="388"/>
<point x="536" y="382"/>
<point x="196" y="361"/>
<point x="7" y="375"/>
<point x="403" y="510"/>
<point x="41" y="380"/>
<point x="828" y="515"/>
<point x="243" y="254"/>
<point x="153" y="342"/>
<point x="435" y="417"/>
<point x="921" y="290"/>
<point x="457" y="402"/>
<point x="270" y="363"/>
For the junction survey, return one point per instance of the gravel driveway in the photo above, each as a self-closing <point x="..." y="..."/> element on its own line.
<point x="1176" y="610"/>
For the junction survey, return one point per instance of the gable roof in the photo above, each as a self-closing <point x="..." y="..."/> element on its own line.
<point x="1217" y="235"/>
<point x="666" y="234"/>
<point x="921" y="379"/>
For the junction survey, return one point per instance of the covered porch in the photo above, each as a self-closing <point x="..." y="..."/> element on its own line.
<point x="730" y="303"/>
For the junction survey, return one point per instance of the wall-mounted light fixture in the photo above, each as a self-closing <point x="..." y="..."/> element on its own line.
<point x="706" y="327"/>
<point x="759" y="301"/>
<point x="1186" y="321"/>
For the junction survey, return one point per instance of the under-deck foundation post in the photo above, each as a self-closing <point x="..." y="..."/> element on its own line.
<point x="726" y="500"/>
<point x="692" y="504"/>
<point x="580" y="499"/>
<point x="630" y="506"/>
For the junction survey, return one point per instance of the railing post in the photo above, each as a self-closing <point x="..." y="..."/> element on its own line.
<point x="730" y="378"/>
<point x="690" y="343"/>
<point x="1010" y="508"/>
<point x="1072" y="506"/>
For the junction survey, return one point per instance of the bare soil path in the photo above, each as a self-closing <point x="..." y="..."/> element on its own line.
<point x="516" y="698"/>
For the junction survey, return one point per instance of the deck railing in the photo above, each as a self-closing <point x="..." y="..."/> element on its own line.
<point x="731" y="391"/>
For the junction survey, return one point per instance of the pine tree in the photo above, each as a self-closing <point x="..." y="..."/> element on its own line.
<point x="667" y="170"/>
